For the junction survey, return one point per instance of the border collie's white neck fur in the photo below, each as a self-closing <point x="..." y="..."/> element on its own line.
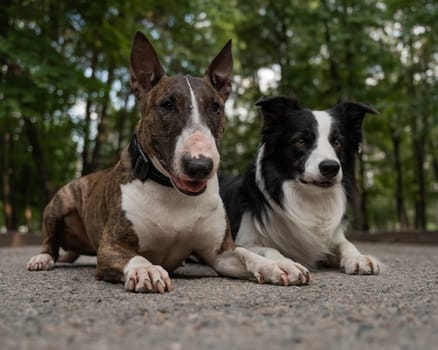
<point x="310" y="216"/>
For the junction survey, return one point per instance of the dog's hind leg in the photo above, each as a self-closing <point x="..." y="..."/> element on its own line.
<point x="53" y="226"/>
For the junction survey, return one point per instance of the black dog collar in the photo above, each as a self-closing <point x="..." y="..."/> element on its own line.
<point x="143" y="167"/>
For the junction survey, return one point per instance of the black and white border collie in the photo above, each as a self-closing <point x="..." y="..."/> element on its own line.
<point x="291" y="202"/>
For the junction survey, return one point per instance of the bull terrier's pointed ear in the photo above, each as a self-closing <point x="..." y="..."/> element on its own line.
<point x="274" y="108"/>
<point x="146" y="69"/>
<point x="220" y="71"/>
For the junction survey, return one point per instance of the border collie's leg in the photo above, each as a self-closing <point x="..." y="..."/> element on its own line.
<point x="353" y="262"/>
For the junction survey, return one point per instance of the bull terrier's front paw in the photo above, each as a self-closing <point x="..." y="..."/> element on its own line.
<point x="360" y="265"/>
<point x="297" y="274"/>
<point x="283" y="272"/>
<point x="40" y="262"/>
<point x="142" y="276"/>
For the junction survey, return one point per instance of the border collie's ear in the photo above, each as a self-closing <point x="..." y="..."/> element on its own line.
<point x="220" y="71"/>
<point x="352" y="113"/>
<point x="146" y="69"/>
<point x="276" y="107"/>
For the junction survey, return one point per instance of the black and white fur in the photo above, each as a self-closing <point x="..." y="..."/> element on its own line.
<point x="291" y="201"/>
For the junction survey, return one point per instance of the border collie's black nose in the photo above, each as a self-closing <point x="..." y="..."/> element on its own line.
<point x="329" y="168"/>
<point x="197" y="168"/>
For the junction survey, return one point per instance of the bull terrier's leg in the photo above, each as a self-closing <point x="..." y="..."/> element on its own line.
<point x="238" y="262"/>
<point x="53" y="225"/>
<point x="293" y="268"/>
<point x="117" y="263"/>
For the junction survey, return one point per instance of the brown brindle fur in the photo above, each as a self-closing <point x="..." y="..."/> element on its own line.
<point x="85" y="216"/>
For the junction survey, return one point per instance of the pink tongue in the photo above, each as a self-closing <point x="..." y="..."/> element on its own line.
<point x="190" y="186"/>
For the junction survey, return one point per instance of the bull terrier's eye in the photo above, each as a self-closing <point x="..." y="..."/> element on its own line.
<point x="167" y="105"/>
<point x="216" y="107"/>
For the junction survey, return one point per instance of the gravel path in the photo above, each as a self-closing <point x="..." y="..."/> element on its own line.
<point x="68" y="309"/>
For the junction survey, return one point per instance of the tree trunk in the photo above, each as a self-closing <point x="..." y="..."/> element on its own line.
<point x="96" y="161"/>
<point x="40" y="161"/>
<point x="86" y="164"/>
<point x="335" y="78"/>
<point x="402" y="217"/>
<point x="9" y="212"/>
<point x="420" y="198"/>
<point x="358" y="199"/>
<point x="121" y="124"/>
<point x="28" y="201"/>
<point x="418" y="126"/>
<point x="432" y="151"/>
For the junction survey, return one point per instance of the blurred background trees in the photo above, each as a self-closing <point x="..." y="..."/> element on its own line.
<point x="66" y="109"/>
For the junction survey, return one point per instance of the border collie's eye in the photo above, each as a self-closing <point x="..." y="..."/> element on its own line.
<point x="337" y="142"/>
<point x="167" y="105"/>
<point x="299" y="142"/>
<point x="216" y="107"/>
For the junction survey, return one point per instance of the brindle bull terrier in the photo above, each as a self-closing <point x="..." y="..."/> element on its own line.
<point x="160" y="202"/>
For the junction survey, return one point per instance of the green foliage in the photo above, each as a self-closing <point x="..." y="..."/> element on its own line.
<point x="65" y="98"/>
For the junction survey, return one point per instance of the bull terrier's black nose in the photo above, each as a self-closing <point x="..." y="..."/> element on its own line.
<point x="197" y="168"/>
<point x="329" y="168"/>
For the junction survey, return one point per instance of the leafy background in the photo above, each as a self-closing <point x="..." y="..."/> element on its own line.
<point x="66" y="108"/>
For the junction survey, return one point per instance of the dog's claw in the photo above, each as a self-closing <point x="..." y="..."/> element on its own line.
<point x="307" y="274"/>
<point x="356" y="269"/>
<point x="284" y="279"/>
<point x="148" y="285"/>
<point x="168" y="284"/>
<point x="260" y="279"/>
<point x="130" y="284"/>
<point x="159" y="287"/>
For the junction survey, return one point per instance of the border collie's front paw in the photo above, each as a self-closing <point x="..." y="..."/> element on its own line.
<point x="40" y="262"/>
<point x="360" y="265"/>
<point x="283" y="272"/>
<point x="142" y="277"/>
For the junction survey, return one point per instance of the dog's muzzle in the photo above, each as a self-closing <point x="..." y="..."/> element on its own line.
<point x="328" y="169"/>
<point x="196" y="171"/>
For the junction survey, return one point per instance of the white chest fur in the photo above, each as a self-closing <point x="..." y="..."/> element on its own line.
<point x="170" y="225"/>
<point x="305" y="228"/>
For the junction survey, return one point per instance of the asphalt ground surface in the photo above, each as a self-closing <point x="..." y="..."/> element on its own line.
<point x="68" y="309"/>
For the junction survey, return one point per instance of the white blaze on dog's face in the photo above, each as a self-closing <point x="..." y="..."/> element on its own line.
<point x="196" y="157"/>
<point x="323" y="166"/>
